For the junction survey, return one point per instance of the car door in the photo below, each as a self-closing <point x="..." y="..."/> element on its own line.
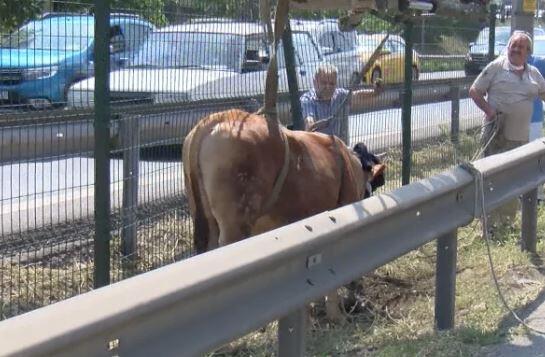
<point x="348" y="59"/>
<point x="394" y="62"/>
<point x="308" y="58"/>
<point x="340" y="49"/>
<point x="135" y="34"/>
<point x="118" y="47"/>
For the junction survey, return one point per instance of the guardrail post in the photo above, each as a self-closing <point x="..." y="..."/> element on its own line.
<point x="529" y="221"/>
<point x="445" y="281"/>
<point x="129" y="130"/>
<point x="291" y="334"/>
<point x="455" y="114"/>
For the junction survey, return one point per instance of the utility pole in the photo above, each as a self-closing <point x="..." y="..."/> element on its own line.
<point x="523" y="19"/>
<point x="523" y="16"/>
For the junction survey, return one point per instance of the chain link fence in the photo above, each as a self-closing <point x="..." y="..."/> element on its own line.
<point x="168" y="68"/>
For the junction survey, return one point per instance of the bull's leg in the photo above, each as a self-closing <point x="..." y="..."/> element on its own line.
<point x="229" y="234"/>
<point x="333" y="308"/>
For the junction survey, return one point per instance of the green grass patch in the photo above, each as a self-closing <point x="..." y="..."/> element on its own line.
<point x="438" y="65"/>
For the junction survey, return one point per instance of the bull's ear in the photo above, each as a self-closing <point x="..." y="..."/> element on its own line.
<point x="360" y="148"/>
<point x="377" y="177"/>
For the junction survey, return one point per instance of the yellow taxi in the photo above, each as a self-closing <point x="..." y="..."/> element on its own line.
<point x="390" y="65"/>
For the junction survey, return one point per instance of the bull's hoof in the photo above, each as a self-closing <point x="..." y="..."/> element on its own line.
<point x="335" y="314"/>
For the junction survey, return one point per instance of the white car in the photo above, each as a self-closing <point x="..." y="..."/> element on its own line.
<point x="338" y="47"/>
<point x="218" y="62"/>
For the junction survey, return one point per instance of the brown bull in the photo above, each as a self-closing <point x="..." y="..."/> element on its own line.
<point x="232" y="161"/>
<point x="242" y="179"/>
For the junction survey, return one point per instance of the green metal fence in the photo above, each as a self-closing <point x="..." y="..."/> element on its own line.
<point x="91" y="187"/>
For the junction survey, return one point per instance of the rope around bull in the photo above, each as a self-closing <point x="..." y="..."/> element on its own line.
<point x="479" y="186"/>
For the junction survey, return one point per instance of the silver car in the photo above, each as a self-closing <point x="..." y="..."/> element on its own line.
<point x="221" y="63"/>
<point x="338" y="47"/>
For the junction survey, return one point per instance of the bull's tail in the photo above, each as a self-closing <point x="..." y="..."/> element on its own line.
<point x="205" y="226"/>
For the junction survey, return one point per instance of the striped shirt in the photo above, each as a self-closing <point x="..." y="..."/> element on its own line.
<point x="326" y="109"/>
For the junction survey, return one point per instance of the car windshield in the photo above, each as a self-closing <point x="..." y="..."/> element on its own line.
<point x="539" y="48"/>
<point x="502" y="35"/>
<point x="305" y="49"/>
<point x="368" y="43"/>
<point x="51" y="34"/>
<point x="190" y="50"/>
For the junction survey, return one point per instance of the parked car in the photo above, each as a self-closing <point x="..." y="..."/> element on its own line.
<point x="477" y="56"/>
<point x="219" y="65"/>
<point x="539" y="46"/>
<point x="338" y="47"/>
<point x="390" y="66"/>
<point x="40" y="60"/>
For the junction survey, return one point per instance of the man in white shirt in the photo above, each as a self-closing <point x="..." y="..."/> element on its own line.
<point x="505" y="91"/>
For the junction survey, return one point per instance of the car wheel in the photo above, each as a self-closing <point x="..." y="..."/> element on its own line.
<point x="375" y="75"/>
<point x="415" y="73"/>
<point x="471" y="72"/>
<point x="66" y="89"/>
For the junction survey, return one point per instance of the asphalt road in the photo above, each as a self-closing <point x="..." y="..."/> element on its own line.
<point x="34" y="194"/>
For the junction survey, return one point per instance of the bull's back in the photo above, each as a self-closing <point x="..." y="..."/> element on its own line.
<point x="234" y="157"/>
<point x="323" y="175"/>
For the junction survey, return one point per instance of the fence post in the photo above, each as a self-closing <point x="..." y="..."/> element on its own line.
<point x="407" y="104"/>
<point x="455" y="114"/>
<point x="529" y="221"/>
<point x="291" y="333"/>
<point x="101" y="271"/>
<point x="129" y="131"/>
<point x="445" y="281"/>
<point x="492" y="32"/>
<point x="289" y="58"/>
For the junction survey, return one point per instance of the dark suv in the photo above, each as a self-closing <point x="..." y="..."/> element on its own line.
<point x="477" y="56"/>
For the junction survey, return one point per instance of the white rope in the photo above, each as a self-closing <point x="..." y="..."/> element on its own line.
<point x="479" y="195"/>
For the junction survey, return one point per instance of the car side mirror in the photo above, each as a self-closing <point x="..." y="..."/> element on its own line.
<point x="471" y="44"/>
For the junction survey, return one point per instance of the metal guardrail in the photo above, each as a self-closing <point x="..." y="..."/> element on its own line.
<point x="442" y="57"/>
<point x="203" y="302"/>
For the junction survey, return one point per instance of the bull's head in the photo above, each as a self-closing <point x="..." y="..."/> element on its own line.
<point x="372" y="166"/>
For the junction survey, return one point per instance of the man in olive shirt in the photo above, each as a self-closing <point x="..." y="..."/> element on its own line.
<point x="510" y="86"/>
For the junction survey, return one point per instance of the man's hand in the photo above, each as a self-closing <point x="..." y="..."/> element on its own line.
<point x="309" y="122"/>
<point x="320" y="124"/>
<point x="490" y="114"/>
<point x="480" y="101"/>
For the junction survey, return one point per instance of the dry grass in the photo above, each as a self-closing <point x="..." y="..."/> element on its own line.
<point x="396" y="315"/>
<point x="68" y="270"/>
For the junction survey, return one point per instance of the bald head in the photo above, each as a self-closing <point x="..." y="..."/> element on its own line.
<point x="519" y="48"/>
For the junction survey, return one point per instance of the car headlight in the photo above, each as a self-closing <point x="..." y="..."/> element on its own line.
<point x="40" y="72"/>
<point x="468" y="57"/>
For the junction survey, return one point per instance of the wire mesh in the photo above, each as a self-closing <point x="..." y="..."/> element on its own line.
<point x="170" y="67"/>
